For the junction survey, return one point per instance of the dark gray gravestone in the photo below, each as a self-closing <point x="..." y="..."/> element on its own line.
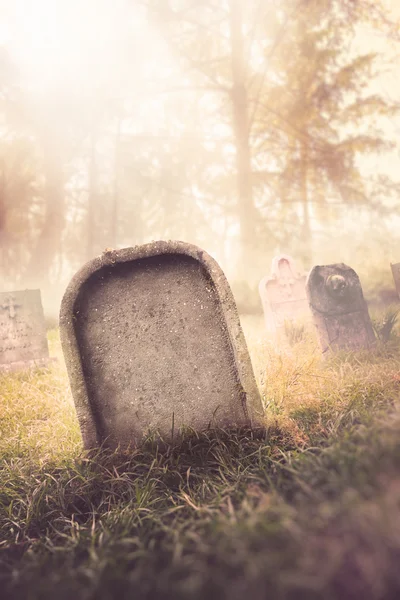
<point x="338" y="307"/>
<point x="152" y="342"/>
<point x="23" y="341"/>
<point x="396" y="276"/>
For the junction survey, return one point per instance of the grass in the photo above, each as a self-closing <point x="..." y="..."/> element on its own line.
<point x="308" y="508"/>
<point x="385" y="323"/>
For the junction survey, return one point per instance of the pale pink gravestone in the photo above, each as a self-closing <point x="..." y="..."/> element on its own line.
<point x="23" y="341"/>
<point x="396" y="276"/>
<point x="338" y="307"/>
<point x="283" y="293"/>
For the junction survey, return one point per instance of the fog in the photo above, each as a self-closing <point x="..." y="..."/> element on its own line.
<point x="247" y="128"/>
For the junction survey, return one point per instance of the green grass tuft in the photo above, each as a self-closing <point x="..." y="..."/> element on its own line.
<point x="384" y="324"/>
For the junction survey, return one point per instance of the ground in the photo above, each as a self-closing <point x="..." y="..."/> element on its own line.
<point x="308" y="508"/>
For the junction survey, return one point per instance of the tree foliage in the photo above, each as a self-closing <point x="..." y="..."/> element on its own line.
<point x="255" y="132"/>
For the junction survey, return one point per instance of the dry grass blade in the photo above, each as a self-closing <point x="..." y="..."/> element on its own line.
<point x="304" y="509"/>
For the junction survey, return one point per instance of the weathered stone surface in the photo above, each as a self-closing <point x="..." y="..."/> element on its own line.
<point x="283" y="293"/>
<point x="338" y="307"/>
<point x="396" y="276"/>
<point x="23" y="341"/>
<point x="152" y="342"/>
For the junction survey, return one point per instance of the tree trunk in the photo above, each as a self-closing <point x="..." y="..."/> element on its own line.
<point x="246" y="209"/>
<point x="92" y="174"/>
<point x="48" y="243"/>
<point x="306" y="229"/>
<point x="114" y="210"/>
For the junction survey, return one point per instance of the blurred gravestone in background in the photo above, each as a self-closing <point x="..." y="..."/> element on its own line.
<point x="396" y="276"/>
<point x="153" y="342"/>
<point x="283" y="294"/>
<point x="338" y="307"/>
<point x="23" y="341"/>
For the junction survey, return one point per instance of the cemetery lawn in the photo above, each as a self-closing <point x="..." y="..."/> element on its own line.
<point x="308" y="508"/>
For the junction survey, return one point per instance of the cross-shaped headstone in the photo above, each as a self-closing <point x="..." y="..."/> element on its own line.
<point x="283" y="294"/>
<point x="10" y="305"/>
<point x="285" y="274"/>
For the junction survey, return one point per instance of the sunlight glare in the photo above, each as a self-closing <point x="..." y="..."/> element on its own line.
<point x="63" y="39"/>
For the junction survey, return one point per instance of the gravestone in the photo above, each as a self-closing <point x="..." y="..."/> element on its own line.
<point x="396" y="276"/>
<point x="283" y="294"/>
<point x="338" y="307"/>
<point x="153" y="343"/>
<point x="23" y="341"/>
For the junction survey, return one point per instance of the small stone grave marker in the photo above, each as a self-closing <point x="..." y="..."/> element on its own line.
<point x="283" y="294"/>
<point x="152" y="342"/>
<point x="339" y="310"/>
<point x="396" y="276"/>
<point x="23" y="341"/>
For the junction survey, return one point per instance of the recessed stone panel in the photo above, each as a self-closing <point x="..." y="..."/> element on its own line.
<point x="153" y="343"/>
